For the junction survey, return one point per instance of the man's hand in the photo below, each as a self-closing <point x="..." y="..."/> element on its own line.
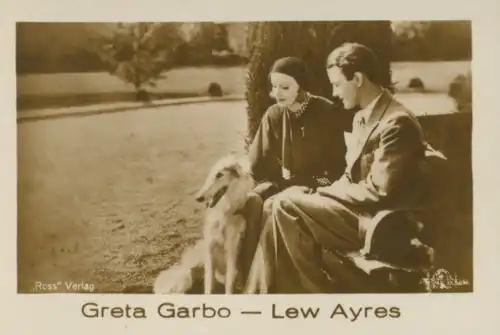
<point x="328" y="190"/>
<point x="299" y="189"/>
<point x="334" y="187"/>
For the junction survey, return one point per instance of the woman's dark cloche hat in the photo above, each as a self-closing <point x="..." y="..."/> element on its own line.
<point x="293" y="67"/>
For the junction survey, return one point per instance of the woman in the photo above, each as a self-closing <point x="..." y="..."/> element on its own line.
<point x="300" y="142"/>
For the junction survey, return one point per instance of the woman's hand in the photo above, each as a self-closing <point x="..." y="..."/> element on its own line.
<point x="299" y="189"/>
<point x="266" y="189"/>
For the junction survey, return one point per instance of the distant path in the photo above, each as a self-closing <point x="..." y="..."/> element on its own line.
<point x="106" y="108"/>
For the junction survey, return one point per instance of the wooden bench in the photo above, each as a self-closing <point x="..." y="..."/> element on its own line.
<point x="375" y="270"/>
<point x="393" y="258"/>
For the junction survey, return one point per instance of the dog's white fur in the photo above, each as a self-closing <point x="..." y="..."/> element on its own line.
<point x="179" y="278"/>
<point x="222" y="231"/>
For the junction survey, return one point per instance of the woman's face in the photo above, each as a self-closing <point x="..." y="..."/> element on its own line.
<point x="284" y="89"/>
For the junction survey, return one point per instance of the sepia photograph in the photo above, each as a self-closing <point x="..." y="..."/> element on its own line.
<point x="256" y="157"/>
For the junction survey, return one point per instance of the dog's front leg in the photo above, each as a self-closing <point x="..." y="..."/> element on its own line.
<point x="230" y="274"/>
<point x="232" y="244"/>
<point x="209" y="271"/>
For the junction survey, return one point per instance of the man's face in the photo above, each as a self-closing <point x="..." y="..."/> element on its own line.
<point x="346" y="90"/>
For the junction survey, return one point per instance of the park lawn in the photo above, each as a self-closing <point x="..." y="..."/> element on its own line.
<point x="436" y="76"/>
<point x="74" y="89"/>
<point x="109" y="200"/>
<point x="70" y="89"/>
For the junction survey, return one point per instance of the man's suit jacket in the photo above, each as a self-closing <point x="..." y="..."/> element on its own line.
<point x="385" y="161"/>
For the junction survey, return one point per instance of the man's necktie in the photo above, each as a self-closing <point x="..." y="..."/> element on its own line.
<point x="358" y="127"/>
<point x="359" y="121"/>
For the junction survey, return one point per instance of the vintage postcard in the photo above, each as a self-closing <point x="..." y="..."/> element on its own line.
<point x="250" y="171"/>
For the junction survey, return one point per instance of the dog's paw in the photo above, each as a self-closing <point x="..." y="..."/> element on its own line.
<point x="219" y="277"/>
<point x="173" y="281"/>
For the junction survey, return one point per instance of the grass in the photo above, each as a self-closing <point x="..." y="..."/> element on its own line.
<point x="108" y="200"/>
<point x="70" y="89"/>
<point x="436" y="76"/>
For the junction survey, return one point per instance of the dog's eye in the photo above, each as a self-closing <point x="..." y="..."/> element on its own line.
<point x="218" y="175"/>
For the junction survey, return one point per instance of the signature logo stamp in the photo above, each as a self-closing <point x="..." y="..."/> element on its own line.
<point x="443" y="280"/>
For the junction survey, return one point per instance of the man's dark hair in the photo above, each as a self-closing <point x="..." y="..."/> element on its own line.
<point x="354" y="57"/>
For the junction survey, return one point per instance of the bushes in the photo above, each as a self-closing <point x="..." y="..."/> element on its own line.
<point x="416" y="83"/>
<point x="143" y="96"/>
<point x="215" y="90"/>
<point x="460" y="89"/>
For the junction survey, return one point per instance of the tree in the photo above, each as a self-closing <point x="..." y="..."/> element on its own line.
<point x="312" y="42"/>
<point x="236" y="36"/>
<point x="203" y="42"/>
<point x="410" y="39"/>
<point x="432" y="40"/>
<point x="55" y="47"/>
<point x="410" y="29"/>
<point x="450" y="40"/>
<point x="139" y="53"/>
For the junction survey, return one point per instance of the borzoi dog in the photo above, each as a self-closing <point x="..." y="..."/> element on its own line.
<point x="225" y="192"/>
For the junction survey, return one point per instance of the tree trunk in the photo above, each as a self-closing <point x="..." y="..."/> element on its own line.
<point x="312" y="42"/>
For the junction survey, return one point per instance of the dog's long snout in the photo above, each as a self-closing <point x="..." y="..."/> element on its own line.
<point x="199" y="196"/>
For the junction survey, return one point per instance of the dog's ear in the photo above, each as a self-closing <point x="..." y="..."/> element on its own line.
<point x="240" y="169"/>
<point x="233" y="170"/>
<point x="237" y="165"/>
<point x="245" y="165"/>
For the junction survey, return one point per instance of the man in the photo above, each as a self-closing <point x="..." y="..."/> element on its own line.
<point x="385" y="159"/>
